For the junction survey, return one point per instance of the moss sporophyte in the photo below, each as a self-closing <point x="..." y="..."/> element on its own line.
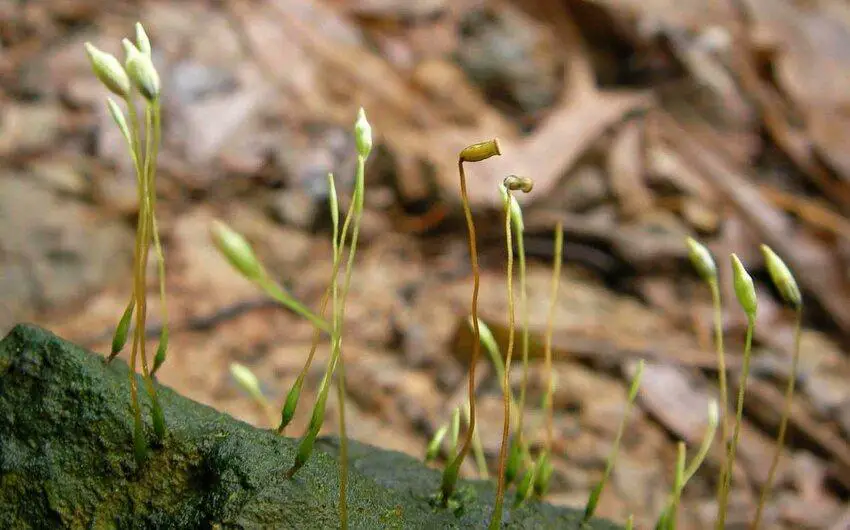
<point x="138" y="77"/>
<point x="513" y="217"/>
<point x="238" y="252"/>
<point x="473" y="153"/>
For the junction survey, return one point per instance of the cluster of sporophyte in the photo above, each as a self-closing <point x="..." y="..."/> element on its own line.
<point x="514" y="455"/>
<point x="745" y="292"/>
<point x="138" y="79"/>
<point x="241" y="256"/>
<point x="515" y="458"/>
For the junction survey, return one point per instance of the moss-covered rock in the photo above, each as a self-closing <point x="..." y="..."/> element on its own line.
<point x="66" y="461"/>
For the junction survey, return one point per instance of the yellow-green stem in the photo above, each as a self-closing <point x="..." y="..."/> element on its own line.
<point x="339" y="310"/>
<point x="724" y="396"/>
<point x="343" y="448"/>
<point x="593" y="500"/>
<point x="739" y="415"/>
<point x="276" y="291"/>
<point x="141" y="295"/>
<point x="314" y="345"/>
<point x="151" y="176"/>
<point x="338" y="245"/>
<point x="317" y="332"/>
<point x="678" y="484"/>
<point x="783" y="422"/>
<point x="138" y="271"/>
<point x="477" y="449"/>
<point x="550" y="323"/>
<point x="496" y="518"/>
<point x="523" y="293"/>
<point x="144" y="213"/>
<point x="450" y="474"/>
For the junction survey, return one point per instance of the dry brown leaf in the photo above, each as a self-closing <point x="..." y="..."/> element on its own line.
<point x="626" y="170"/>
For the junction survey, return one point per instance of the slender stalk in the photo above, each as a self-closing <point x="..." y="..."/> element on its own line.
<point x="724" y="398"/>
<point x="455" y="430"/>
<point x="525" y="338"/>
<point x="667" y="519"/>
<point x="133" y="147"/>
<point x="593" y="500"/>
<point x="550" y="324"/>
<point x="721" y="357"/>
<point x="477" y="449"/>
<point x="451" y="472"/>
<point x="160" y="256"/>
<point x="684" y="474"/>
<point x="496" y="518"/>
<point x="141" y="303"/>
<point x="276" y="291"/>
<point x="135" y="141"/>
<point x="338" y="245"/>
<point x="678" y="484"/>
<point x="739" y="414"/>
<point x="139" y="443"/>
<point x="305" y="449"/>
<point x="295" y="391"/>
<point x="783" y="423"/>
<point x="343" y="447"/>
<point x="141" y="315"/>
<point x="705" y="446"/>
<point x="433" y="448"/>
<point x="144" y="222"/>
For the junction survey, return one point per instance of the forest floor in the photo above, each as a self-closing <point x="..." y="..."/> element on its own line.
<point x="641" y="122"/>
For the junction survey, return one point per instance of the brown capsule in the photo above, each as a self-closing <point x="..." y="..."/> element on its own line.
<point x="480" y="151"/>
<point x="516" y="183"/>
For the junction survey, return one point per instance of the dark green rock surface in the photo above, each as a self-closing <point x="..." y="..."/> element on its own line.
<point x="66" y="462"/>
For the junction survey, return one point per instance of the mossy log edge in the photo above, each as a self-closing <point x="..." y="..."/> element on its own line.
<point x="66" y="461"/>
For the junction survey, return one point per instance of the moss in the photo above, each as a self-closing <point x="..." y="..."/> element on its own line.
<point x="66" y="461"/>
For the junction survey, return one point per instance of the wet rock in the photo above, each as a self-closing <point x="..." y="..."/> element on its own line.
<point x="211" y="469"/>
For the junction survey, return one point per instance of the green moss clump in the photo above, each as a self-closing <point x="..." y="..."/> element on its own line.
<point x="66" y="461"/>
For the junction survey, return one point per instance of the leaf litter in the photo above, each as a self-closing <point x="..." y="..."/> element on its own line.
<point x="640" y="122"/>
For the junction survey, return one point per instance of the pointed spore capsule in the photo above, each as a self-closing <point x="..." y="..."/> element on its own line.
<point x="782" y="278"/>
<point x="363" y="134"/>
<point x="142" y="40"/>
<point x="108" y="70"/>
<point x="701" y="259"/>
<point x="141" y="71"/>
<point x="236" y="250"/>
<point x="745" y="291"/>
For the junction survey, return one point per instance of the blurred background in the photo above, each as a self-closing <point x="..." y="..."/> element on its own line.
<point x="640" y="121"/>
